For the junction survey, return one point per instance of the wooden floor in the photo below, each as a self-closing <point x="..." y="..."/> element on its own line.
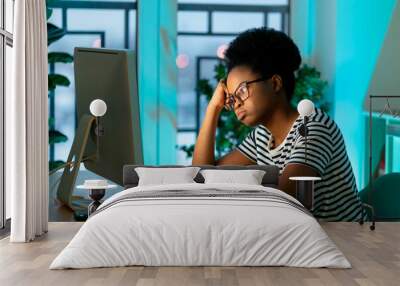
<point x="375" y="257"/>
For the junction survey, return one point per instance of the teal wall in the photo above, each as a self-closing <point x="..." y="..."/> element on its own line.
<point x="157" y="74"/>
<point x="302" y="26"/>
<point x="360" y="31"/>
<point x="313" y="28"/>
<point x="343" y="39"/>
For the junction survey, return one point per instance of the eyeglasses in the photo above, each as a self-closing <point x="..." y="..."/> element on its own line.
<point x="241" y="93"/>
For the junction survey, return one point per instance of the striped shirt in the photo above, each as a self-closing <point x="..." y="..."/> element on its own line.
<point x="335" y="195"/>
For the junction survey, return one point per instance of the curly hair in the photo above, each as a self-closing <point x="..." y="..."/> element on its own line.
<point x="266" y="52"/>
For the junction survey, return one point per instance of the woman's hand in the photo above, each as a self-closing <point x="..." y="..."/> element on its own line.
<point x="219" y="99"/>
<point x="203" y="153"/>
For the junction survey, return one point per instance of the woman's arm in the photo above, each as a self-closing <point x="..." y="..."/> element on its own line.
<point x="205" y="144"/>
<point x="204" y="149"/>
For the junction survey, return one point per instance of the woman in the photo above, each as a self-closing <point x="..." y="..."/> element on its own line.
<point x="260" y="83"/>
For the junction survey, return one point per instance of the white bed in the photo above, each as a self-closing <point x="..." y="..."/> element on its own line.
<point x="185" y="230"/>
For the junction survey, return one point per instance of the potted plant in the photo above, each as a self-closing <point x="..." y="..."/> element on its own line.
<point x="55" y="33"/>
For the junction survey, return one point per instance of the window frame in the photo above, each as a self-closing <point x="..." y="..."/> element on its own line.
<point x="65" y="7"/>
<point x="6" y="39"/>
<point x="283" y="10"/>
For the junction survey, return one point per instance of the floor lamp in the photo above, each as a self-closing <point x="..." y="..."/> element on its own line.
<point x="305" y="185"/>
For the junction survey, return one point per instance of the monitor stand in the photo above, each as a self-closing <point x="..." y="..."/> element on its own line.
<point x="75" y="158"/>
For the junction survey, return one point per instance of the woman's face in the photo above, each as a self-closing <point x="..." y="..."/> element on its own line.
<point x="261" y="100"/>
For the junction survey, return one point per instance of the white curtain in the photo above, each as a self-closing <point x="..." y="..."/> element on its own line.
<point x="26" y="124"/>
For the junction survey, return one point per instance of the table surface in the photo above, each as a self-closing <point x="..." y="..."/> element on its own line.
<point x="96" y="187"/>
<point x="305" y="178"/>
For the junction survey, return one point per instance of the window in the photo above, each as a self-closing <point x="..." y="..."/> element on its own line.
<point x="6" y="42"/>
<point x="84" y="25"/>
<point x="204" y="29"/>
<point x="204" y="26"/>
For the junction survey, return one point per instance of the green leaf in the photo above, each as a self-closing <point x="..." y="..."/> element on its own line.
<point x="54" y="33"/>
<point x="188" y="149"/>
<point x="51" y="123"/>
<point x="49" y="2"/>
<point x="57" y="79"/>
<point x="49" y="13"/>
<point x="59" y="57"/>
<point x="204" y="88"/>
<point x="55" y="164"/>
<point x="309" y="85"/>
<point x="220" y="71"/>
<point x="56" y="137"/>
<point x="49" y="10"/>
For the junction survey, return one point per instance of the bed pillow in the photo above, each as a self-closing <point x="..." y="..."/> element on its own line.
<point x="249" y="177"/>
<point x="162" y="176"/>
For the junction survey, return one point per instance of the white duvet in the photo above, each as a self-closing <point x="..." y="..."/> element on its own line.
<point x="200" y="231"/>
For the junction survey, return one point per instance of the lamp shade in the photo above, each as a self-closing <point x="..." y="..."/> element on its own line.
<point x="305" y="107"/>
<point x="98" y="107"/>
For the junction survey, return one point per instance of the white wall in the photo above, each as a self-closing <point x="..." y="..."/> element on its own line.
<point x="343" y="39"/>
<point x="386" y="76"/>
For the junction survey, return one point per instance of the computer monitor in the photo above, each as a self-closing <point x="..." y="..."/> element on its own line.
<point x="109" y="75"/>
